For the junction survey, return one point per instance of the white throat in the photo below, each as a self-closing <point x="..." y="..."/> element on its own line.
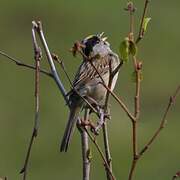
<point x="101" y="49"/>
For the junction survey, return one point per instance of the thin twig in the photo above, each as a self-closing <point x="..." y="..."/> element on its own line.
<point x="141" y="33"/>
<point x="101" y="154"/>
<point x="28" y="66"/>
<point x="104" y="126"/>
<point x="172" y="100"/>
<point x="137" y="70"/>
<point x="38" y="28"/>
<point x="107" y="150"/>
<point x="60" y="62"/>
<point x="155" y="135"/>
<point x="37" y="57"/>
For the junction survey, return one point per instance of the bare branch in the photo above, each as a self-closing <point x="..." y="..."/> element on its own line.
<point x="137" y="69"/>
<point x="37" y="57"/>
<point x="101" y="154"/>
<point x="38" y="28"/>
<point x="60" y="62"/>
<point x="172" y="100"/>
<point x="28" y="66"/>
<point x="141" y="32"/>
<point x="104" y="127"/>
<point x="107" y="150"/>
<point x="85" y="148"/>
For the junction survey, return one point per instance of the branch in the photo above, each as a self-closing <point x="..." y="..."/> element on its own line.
<point x="85" y="148"/>
<point x="37" y="57"/>
<point x="104" y="127"/>
<point x="60" y="62"/>
<point x="172" y="100"/>
<point x="28" y="66"/>
<point x="137" y="69"/>
<point x="157" y="132"/>
<point x="38" y="28"/>
<point x="101" y="154"/>
<point x="141" y="31"/>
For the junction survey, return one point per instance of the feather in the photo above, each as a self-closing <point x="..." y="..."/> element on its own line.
<point x="74" y="113"/>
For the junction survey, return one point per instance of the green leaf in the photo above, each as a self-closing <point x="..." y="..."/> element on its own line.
<point x="145" y="23"/>
<point x="132" y="48"/>
<point x="124" y="49"/>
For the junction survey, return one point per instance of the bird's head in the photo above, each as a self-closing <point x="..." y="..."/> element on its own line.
<point x="96" y="44"/>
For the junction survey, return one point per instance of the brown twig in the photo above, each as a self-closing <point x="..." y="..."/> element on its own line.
<point x="60" y="62"/>
<point x="107" y="150"/>
<point x="137" y="70"/>
<point x="136" y="115"/>
<point x="101" y="154"/>
<point x="28" y="66"/>
<point x="37" y="57"/>
<point x="163" y="122"/>
<point x="157" y="132"/>
<point x="104" y="126"/>
<point x="141" y="31"/>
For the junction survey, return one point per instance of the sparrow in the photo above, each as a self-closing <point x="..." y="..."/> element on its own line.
<point x="87" y="83"/>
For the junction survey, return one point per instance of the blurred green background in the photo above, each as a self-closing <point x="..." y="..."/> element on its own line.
<point x="65" y="22"/>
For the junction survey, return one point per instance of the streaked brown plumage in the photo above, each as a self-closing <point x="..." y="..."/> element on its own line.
<point x="87" y="81"/>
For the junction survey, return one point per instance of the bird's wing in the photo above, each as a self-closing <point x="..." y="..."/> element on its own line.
<point x="87" y="72"/>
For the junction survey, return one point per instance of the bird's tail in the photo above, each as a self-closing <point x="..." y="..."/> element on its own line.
<point x="74" y="113"/>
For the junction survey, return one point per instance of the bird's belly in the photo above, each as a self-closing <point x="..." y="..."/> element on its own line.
<point x="98" y="93"/>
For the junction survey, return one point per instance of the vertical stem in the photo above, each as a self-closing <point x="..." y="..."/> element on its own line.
<point x="107" y="150"/>
<point x="133" y="166"/>
<point x="37" y="57"/>
<point x="134" y="129"/>
<point x="56" y="77"/>
<point x="85" y="149"/>
<point x="137" y="94"/>
<point x="141" y="32"/>
<point x="104" y="126"/>
<point x="137" y="69"/>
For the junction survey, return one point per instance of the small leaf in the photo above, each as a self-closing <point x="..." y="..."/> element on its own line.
<point x="132" y="48"/>
<point x="124" y="49"/>
<point x="145" y="23"/>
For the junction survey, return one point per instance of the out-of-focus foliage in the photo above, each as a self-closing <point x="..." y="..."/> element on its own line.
<point x="65" y="22"/>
